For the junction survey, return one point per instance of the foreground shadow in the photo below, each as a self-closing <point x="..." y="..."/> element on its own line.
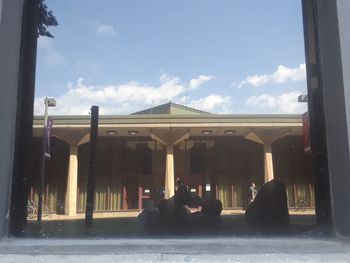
<point x="188" y="215"/>
<point x="226" y="226"/>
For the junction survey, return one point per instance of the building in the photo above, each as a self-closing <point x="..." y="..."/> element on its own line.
<point x="139" y="157"/>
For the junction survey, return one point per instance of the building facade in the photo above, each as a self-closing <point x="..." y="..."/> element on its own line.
<point x="139" y="157"/>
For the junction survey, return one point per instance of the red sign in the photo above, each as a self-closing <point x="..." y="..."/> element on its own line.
<point x="306" y="132"/>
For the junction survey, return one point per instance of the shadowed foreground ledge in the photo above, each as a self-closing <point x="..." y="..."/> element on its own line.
<point x="176" y="250"/>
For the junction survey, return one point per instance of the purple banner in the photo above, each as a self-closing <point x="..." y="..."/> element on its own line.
<point x="48" y="133"/>
<point x="306" y="132"/>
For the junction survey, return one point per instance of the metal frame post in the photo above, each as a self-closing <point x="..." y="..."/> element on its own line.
<point x="92" y="168"/>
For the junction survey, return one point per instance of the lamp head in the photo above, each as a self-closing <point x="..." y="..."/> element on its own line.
<point x="303" y="98"/>
<point x="51" y="102"/>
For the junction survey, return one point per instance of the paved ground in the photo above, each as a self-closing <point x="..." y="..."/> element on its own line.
<point x="228" y="240"/>
<point x="254" y="249"/>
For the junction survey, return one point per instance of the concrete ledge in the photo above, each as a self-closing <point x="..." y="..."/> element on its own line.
<point x="176" y="250"/>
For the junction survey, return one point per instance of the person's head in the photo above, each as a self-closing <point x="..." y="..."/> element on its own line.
<point x="253" y="184"/>
<point x="178" y="181"/>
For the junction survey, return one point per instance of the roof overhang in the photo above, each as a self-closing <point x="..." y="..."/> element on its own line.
<point x="218" y="125"/>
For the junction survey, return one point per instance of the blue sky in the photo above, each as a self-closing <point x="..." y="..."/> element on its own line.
<point x="226" y="56"/>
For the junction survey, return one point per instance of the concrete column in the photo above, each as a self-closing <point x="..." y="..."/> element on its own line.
<point x="72" y="182"/>
<point x="169" y="173"/>
<point x="74" y="139"/>
<point x="268" y="163"/>
<point x="266" y="138"/>
<point x="169" y="138"/>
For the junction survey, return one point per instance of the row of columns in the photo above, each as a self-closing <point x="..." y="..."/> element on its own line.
<point x="169" y="138"/>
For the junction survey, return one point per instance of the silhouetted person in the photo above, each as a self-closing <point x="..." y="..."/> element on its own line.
<point x="252" y="192"/>
<point x="181" y="187"/>
<point x="185" y="210"/>
<point x="182" y="196"/>
<point x="212" y="207"/>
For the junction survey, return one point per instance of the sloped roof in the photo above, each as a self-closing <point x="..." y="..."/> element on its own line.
<point x="172" y="108"/>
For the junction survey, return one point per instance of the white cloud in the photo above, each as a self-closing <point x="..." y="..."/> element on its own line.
<point x="285" y="103"/>
<point x="105" y="30"/>
<point x="195" y="83"/>
<point x="50" y="54"/>
<point x="125" y="98"/>
<point x="281" y="75"/>
<point x="213" y="103"/>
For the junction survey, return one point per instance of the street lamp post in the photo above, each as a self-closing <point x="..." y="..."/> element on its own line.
<point x="49" y="102"/>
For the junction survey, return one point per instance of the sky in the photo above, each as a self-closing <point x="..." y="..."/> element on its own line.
<point x="221" y="56"/>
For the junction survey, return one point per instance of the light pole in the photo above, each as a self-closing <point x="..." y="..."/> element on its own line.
<point x="49" y="102"/>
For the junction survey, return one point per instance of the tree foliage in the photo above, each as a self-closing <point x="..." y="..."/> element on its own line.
<point x="46" y="19"/>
